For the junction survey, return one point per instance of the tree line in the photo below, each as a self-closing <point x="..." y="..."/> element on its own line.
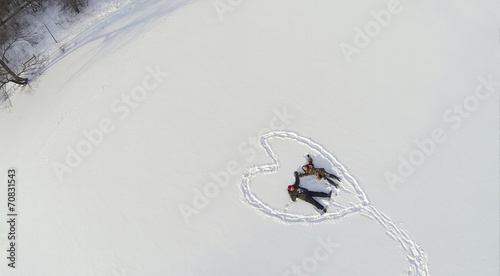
<point x="16" y="25"/>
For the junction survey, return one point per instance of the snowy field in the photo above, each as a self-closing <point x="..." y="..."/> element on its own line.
<point x="163" y="140"/>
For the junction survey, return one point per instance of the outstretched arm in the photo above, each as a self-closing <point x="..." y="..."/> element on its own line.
<point x="297" y="179"/>
<point x="310" y="160"/>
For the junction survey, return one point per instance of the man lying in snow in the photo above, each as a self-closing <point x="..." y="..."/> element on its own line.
<point x="295" y="191"/>
<point x="320" y="173"/>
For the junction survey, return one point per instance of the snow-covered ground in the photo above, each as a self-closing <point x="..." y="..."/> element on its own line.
<point x="163" y="140"/>
<point x="52" y="33"/>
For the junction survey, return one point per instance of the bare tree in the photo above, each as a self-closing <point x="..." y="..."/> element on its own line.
<point x="4" y="96"/>
<point x="10" y="73"/>
<point x="31" y="67"/>
<point x="13" y="76"/>
<point x="74" y="4"/>
<point x="10" y="9"/>
<point x="17" y="66"/>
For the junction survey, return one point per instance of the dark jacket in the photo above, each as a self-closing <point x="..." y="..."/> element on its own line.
<point x="305" y="194"/>
<point x="298" y="192"/>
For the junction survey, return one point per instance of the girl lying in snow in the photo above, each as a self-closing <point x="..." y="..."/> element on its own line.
<point x="320" y="173"/>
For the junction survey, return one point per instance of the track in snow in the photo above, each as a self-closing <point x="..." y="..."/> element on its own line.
<point x="415" y="254"/>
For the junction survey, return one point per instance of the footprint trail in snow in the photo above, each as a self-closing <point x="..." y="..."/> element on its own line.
<point x="415" y="255"/>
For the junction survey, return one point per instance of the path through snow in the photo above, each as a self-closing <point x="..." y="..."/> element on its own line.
<point x="415" y="253"/>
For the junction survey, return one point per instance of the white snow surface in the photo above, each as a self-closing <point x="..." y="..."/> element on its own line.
<point x="161" y="142"/>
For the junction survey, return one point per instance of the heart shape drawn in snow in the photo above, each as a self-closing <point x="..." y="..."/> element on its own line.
<point x="415" y="254"/>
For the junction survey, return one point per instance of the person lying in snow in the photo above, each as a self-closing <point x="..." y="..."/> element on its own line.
<point x="320" y="173"/>
<point x="295" y="191"/>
